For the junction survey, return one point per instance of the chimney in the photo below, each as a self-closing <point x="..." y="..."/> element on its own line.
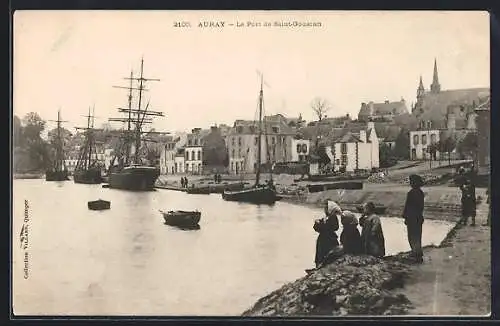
<point x="451" y="121"/>
<point x="386" y="101"/>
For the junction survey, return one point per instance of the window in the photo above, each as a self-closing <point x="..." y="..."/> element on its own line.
<point x="232" y="152"/>
<point x="232" y="141"/>
<point x="337" y="161"/>
<point x="424" y="139"/>
<point x="256" y="140"/>
<point x="187" y="156"/>
<point x="343" y="148"/>
<point x="232" y="166"/>
<point x="299" y="148"/>
<point x="415" y="140"/>
<point x="273" y="140"/>
<point x="239" y="129"/>
<point x="344" y="159"/>
<point x="239" y="152"/>
<point x="239" y="141"/>
<point x="276" y="130"/>
<point x="433" y="138"/>
<point x="196" y="142"/>
<point x="189" y="142"/>
<point x="252" y="129"/>
<point x="198" y="155"/>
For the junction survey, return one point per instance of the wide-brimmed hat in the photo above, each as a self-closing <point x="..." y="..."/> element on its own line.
<point x="416" y="179"/>
<point x="348" y="218"/>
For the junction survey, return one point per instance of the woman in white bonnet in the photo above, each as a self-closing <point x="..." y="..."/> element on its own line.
<point x="326" y="227"/>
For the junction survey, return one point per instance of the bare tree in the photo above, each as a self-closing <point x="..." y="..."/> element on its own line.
<point x="320" y="107"/>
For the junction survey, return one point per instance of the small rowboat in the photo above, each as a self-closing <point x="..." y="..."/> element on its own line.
<point x="198" y="190"/>
<point x="99" y="205"/>
<point x="182" y="218"/>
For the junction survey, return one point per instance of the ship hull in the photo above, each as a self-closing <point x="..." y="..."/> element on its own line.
<point x="56" y="176"/>
<point x="255" y="195"/>
<point x="140" y="178"/>
<point x="91" y="176"/>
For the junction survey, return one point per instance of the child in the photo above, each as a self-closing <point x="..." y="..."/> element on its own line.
<point x="350" y="237"/>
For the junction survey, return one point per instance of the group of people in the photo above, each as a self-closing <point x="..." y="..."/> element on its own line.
<point x="217" y="178"/>
<point x="371" y="239"/>
<point x="184" y="182"/>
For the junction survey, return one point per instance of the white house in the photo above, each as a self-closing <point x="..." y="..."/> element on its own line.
<point x="169" y="152"/>
<point x="193" y="157"/>
<point x="300" y="149"/>
<point x="179" y="161"/>
<point x="356" y="150"/>
<point x="420" y="141"/>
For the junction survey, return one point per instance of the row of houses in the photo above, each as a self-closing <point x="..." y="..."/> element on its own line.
<point x="283" y="140"/>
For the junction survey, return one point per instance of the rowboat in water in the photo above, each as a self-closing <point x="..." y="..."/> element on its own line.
<point x="99" y="205"/>
<point x="182" y="218"/>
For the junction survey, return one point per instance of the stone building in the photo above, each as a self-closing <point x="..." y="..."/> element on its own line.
<point x="382" y="111"/>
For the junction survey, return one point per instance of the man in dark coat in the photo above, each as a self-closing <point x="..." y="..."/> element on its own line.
<point x="468" y="202"/>
<point x="414" y="217"/>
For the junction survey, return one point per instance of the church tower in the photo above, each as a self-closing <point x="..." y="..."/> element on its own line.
<point x="435" y="87"/>
<point x="420" y="95"/>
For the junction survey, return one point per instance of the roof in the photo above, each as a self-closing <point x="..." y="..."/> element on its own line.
<point x="384" y="108"/>
<point x="348" y="137"/>
<point x="437" y="105"/>
<point x="251" y="127"/>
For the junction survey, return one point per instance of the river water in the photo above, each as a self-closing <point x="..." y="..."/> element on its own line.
<point x="126" y="261"/>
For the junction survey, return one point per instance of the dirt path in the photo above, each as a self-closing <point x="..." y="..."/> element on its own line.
<point x="455" y="280"/>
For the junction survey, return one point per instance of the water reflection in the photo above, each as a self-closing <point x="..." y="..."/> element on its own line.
<point x="127" y="261"/>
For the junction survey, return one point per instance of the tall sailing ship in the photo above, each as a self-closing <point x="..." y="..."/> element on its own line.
<point x="88" y="168"/>
<point x="57" y="171"/>
<point x="258" y="193"/>
<point x="131" y="172"/>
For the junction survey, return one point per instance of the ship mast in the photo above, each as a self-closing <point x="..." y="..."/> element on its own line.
<point x="59" y="143"/>
<point x="259" y="142"/>
<point x="136" y="116"/>
<point x="85" y="158"/>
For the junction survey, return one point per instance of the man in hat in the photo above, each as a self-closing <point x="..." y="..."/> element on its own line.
<point x="414" y="217"/>
<point x="468" y="202"/>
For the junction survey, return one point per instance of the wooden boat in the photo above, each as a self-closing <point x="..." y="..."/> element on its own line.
<point x="198" y="190"/>
<point x="256" y="194"/>
<point x="182" y="218"/>
<point x="58" y="171"/>
<point x="131" y="173"/>
<point x="99" y="205"/>
<point x="350" y="185"/>
<point x="379" y="209"/>
<point x="88" y="170"/>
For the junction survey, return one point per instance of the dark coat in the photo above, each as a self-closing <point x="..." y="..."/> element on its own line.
<point x="351" y="240"/>
<point x="468" y="200"/>
<point x="413" y="212"/>
<point x="327" y="238"/>
<point x="372" y="236"/>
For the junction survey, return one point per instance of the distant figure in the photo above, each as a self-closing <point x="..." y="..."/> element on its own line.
<point x="414" y="218"/>
<point x="186" y="182"/>
<point x="216" y="178"/>
<point x="182" y="182"/>
<point x="326" y="227"/>
<point x="488" y="201"/>
<point x="270" y="184"/>
<point x="350" y="237"/>
<point x="468" y="202"/>
<point x="219" y="178"/>
<point x="372" y="236"/>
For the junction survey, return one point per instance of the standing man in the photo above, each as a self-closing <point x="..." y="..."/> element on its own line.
<point x="414" y="217"/>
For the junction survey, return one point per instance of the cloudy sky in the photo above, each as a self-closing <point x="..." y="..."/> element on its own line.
<point x="71" y="60"/>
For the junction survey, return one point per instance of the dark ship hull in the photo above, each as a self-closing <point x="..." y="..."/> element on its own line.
<point x="255" y="195"/>
<point x="136" y="178"/>
<point x="90" y="176"/>
<point x="56" y="176"/>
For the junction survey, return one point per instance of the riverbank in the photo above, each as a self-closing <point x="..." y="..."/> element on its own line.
<point x="455" y="279"/>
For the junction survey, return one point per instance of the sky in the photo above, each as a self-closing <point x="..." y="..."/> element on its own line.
<point x="70" y="60"/>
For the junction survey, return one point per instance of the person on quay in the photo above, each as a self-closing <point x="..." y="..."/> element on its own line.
<point x="413" y="214"/>
<point x="468" y="202"/>
<point x="326" y="227"/>
<point x="186" y="182"/>
<point x="350" y="238"/>
<point x="488" y="201"/>
<point x="372" y="236"/>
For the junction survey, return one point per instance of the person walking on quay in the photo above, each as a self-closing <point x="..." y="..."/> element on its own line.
<point x="372" y="236"/>
<point x="350" y="237"/>
<point x="488" y="201"/>
<point x="413" y="215"/>
<point x="182" y="182"/>
<point x="326" y="227"/>
<point x="468" y="202"/>
<point x="186" y="182"/>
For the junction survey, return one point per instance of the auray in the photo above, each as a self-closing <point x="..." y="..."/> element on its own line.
<point x="211" y="24"/>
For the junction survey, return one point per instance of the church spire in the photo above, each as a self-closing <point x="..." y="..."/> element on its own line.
<point x="435" y="87"/>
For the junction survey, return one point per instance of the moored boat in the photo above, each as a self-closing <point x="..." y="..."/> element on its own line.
<point x="198" y="190"/>
<point x="99" y="205"/>
<point x="58" y="171"/>
<point x="88" y="170"/>
<point x="182" y="218"/>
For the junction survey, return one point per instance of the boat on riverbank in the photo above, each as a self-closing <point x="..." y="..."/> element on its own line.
<point x="258" y="193"/>
<point x="58" y="170"/>
<point x="88" y="169"/>
<point x="131" y="173"/>
<point x="28" y="176"/>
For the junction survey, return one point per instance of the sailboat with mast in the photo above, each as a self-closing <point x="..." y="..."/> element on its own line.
<point x="88" y="169"/>
<point x="258" y="193"/>
<point x="131" y="173"/>
<point x="57" y="171"/>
